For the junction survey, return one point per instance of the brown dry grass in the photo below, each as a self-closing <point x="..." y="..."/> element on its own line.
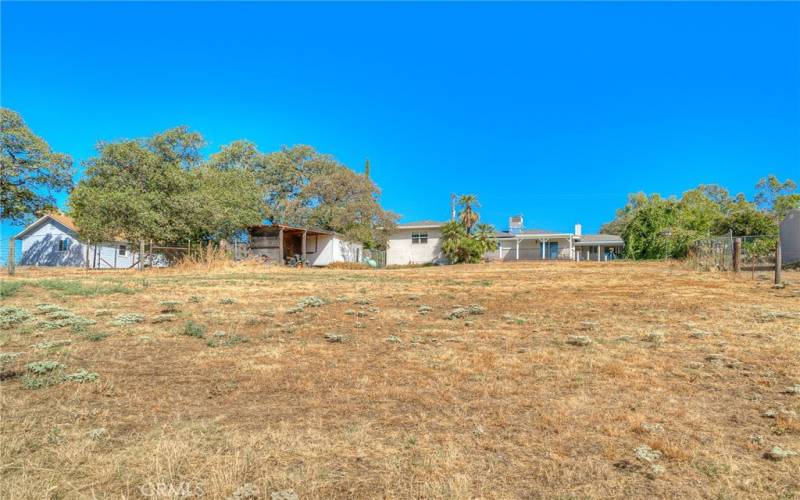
<point x="494" y="405"/>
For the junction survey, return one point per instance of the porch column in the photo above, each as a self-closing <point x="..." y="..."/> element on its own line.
<point x="544" y="248"/>
<point x="598" y="253"/>
<point x="280" y="247"/>
<point x="571" y="249"/>
<point x="303" y="246"/>
<point x="517" y="240"/>
<point x="578" y="255"/>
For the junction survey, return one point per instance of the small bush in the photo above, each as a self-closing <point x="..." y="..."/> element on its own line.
<point x="42" y="367"/>
<point x="163" y="318"/>
<point x="222" y="339"/>
<point x="423" y="309"/>
<point x="8" y="357"/>
<point x="193" y="329"/>
<point x="195" y="299"/>
<point x="103" y="312"/>
<point x="96" y="336"/>
<point x="10" y="316"/>
<point x="460" y="312"/>
<point x="227" y="300"/>
<point x="81" y="376"/>
<point x="311" y="302"/>
<point x="128" y="319"/>
<point x="52" y="344"/>
<point x="169" y="306"/>
<point x="77" y="323"/>
<point x="362" y="301"/>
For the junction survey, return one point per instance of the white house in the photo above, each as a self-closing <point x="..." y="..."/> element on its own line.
<point x="281" y="243"/>
<point x="415" y="243"/>
<point x="419" y="243"/>
<point x="790" y="237"/>
<point x="52" y="240"/>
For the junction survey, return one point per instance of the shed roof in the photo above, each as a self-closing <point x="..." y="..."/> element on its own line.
<point x="58" y="217"/>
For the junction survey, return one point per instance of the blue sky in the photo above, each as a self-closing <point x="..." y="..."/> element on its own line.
<point x="553" y="110"/>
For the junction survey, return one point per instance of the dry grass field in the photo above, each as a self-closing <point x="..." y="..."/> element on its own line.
<point x="457" y="382"/>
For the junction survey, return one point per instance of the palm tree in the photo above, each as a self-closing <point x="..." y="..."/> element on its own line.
<point x="468" y="215"/>
<point x="484" y="234"/>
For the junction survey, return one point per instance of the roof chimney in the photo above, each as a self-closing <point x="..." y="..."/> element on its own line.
<point x="577" y="229"/>
<point x="515" y="224"/>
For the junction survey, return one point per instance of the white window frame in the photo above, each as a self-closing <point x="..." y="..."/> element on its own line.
<point x="65" y="242"/>
<point x="418" y="238"/>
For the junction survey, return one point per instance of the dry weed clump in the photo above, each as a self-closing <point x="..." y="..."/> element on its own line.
<point x="371" y="389"/>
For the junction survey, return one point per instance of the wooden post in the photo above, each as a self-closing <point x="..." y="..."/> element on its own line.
<point x="778" y="262"/>
<point x="12" y="243"/>
<point x="86" y="263"/>
<point x="737" y="254"/>
<point x="303" y="247"/>
<point x="280" y="247"/>
<point x="141" y="255"/>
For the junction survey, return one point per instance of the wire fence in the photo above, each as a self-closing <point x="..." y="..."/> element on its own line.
<point x="756" y="253"/>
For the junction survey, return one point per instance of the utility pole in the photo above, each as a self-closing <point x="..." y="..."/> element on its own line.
<point x="452" y="207"/>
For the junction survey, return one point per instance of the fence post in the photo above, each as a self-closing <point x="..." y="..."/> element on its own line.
<point x="778" y="262"/>
<point x="86" y="261"/>
<point x="141" y="255"/>
<point x="737" y="254"/>
<point x="11" y="259"/>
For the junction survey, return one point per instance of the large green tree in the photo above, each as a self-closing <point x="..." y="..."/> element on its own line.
<point x="29" y="170"/>
<point x="303" y="187"/>
<point x="158" y="188"/>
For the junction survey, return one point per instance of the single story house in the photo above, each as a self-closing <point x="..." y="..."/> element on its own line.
<point x="790" y="237"/>
<point x="52" y="240"/>
<point x="420" y="242"/>
<point x="282" y="243"/>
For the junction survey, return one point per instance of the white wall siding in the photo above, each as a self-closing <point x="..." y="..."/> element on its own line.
<point x="40" y="247"/>
<point x="401" y="251"/>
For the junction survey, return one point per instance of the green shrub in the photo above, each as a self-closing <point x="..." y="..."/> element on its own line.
<point x="169" y="306"/>
<point x="96" y="336"/>
<point x="52" y="344"/>
<point x="193" y="329"/>
<point x="311" y="302"/>
<point x="128" y="319"/>
<point x="81" y="376"/>
<point x="8" y="357"/>
<point x="195" y="299"/>
<point x="220" y="339"/>
<point x="9" y="288"/>
<point x="10" y="316"/>
<point x="227" y="300"/>
<point x="42" y="367"/>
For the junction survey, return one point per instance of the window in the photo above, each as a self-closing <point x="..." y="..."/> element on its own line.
<point x="419" y="238"/>
<point x="123" y="249"/>
<point x="63" y="245"/>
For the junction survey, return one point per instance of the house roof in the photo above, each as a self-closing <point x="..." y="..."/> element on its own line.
<point x="530" y="232"/>
<point x="598" y="239"/>
<point x="426" y="223"/>
<point x="58" y="217"/>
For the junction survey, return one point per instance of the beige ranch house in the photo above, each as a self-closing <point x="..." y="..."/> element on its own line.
<point x="420" y="243"/>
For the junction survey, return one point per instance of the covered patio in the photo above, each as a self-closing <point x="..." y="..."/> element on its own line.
<point x="285" y="244"/>
<point x="534" y="247"/>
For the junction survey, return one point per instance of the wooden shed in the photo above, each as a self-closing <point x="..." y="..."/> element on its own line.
<point x="317" y="247"/>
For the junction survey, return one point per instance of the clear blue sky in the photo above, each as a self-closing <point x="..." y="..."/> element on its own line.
<point x="553" y="110"/>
